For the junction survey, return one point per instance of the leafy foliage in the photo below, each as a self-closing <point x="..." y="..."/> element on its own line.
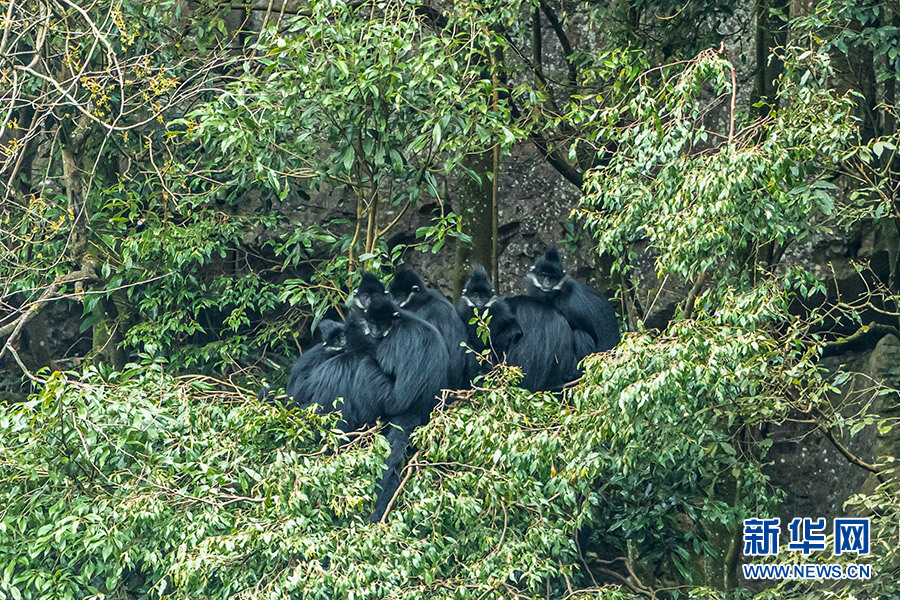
<point x="705" y="201"/>
<point x="135" y="483"/>
<point x="719" y="212"/>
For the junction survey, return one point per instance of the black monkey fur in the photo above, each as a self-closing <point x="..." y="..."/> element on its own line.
<point x="408" y="292"/>
<point x="412" y="353"/>
<point x="332" y="343"/>
<point x="588" y="312"/>
<point x="478" y="294"/>
<point x="546" y="350"/>
<point x="355" y="377"/>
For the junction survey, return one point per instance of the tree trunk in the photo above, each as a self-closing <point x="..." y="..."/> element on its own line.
<point x="474" y="206"/>
<point x="107" y="335"/>
<point x="771" y="32"/>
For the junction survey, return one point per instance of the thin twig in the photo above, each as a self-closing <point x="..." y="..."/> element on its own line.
<point x="22" y="366"/>
<point x="409" y="471"/>
<point x="86" y="274"/>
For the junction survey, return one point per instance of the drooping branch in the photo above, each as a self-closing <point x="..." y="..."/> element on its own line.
<point x="14" y="328"/>
<point x="851" y="458"/>
<point x="552" y="155"/>
<point x="825" y="427"/>
<point x="557" y="160"/>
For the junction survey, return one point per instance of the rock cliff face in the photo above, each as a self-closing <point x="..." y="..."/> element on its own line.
<point x="859" y="267"/>
<point x="535" y="207"/>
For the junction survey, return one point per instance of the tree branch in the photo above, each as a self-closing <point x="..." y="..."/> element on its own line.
<point x="852" y="458"/>
<point x="872" y="328"/>
<point x="692" y="296"/>
<point x="15" y="328"/>
<point x="410" y="467"/>
<point x="557" y="160"/>
<point x="563" y="41"/>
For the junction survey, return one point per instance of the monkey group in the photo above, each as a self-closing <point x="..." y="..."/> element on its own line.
<point x="399" y="347"/>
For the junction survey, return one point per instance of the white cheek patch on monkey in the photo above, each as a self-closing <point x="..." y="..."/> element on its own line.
<point x="533" y="278"/>
<point x="560" y="284"/>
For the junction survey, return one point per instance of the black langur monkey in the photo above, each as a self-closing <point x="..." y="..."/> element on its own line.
<point x="332" y="343"/>
<point x="408" y="291"/>
<point x="354" y="376"/>
<point x="546" y="349"/>
<point x="588" y="312"/>
<point x="333" y="340"/>
<point x="412" y="353"/>
<point x="369" y="287"/>
<point x="478" y="294"/>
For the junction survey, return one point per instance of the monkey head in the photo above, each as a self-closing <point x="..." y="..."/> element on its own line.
<point x="333" y="336"/>
<point x="380" y="316"/>
<point x="478" y="293"/>
<point x="357" y="334"/>
<point x="547" y="275"/>
<point x="369" y="287"/>
<point x="407" y="289"/>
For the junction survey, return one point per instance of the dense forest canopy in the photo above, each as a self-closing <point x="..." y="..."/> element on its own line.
<point x="189" y="188"/>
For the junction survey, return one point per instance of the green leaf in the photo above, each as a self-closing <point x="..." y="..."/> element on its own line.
<point x="349" y="155"/>
<point x="436" y="135"/>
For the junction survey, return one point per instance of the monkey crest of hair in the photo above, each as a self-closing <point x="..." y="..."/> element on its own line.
<point x="552" y="255"/>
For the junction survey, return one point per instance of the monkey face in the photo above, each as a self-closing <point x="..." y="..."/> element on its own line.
<point x="405" y="288"/>
<point x="369" y="288"/>
<point x="547" y="274"/>
<point x="403" y="297"/>
<point x="380" y="317"/>
<point x="547" y="282"/>
<point x="335" y="341"/>
<point x="380" y="329"/>
<point x="478" y="299"/>
<point x="361" y="300"/>
<point x="358" y="334"/>
<point x="334" y="338"/>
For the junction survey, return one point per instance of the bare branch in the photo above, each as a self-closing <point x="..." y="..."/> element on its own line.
<point x="15" y="328"/>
